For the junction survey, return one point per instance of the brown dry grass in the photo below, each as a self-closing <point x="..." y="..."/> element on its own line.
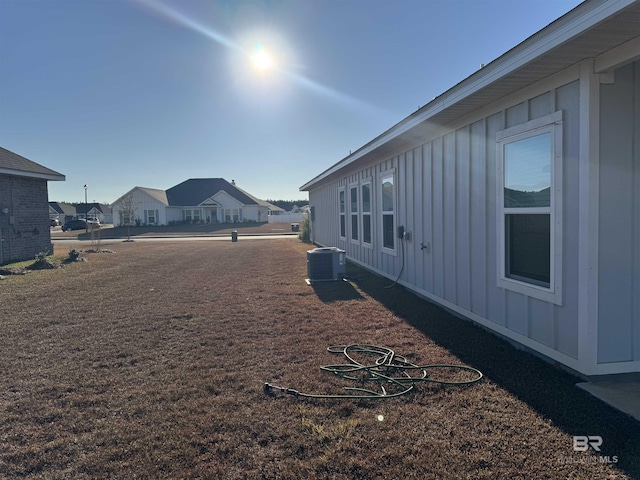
<point x="150" y="363"/>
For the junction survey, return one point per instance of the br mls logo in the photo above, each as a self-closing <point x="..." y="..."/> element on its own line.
<point x="581" y="443"/>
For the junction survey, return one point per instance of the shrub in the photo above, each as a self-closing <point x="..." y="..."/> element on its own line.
<point x="305" y="230"/>
<point x="74" y="254"/>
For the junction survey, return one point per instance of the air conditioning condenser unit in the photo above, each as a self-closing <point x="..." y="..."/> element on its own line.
<point x="326" y="264"/>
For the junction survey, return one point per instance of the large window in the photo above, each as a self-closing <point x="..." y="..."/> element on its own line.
<point x="388" y="193"/>
<point x="342" y="208"/>
<point x="529" y="170"/>
<point x="353" y="209"/>
<point x="366" y="213"/>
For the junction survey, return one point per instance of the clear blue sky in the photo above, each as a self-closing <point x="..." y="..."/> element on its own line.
<point x="119" y="93"/>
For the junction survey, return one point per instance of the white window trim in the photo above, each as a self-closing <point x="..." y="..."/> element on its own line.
<point x="551" y="123"/>
<point x="357" y="214"/>
<point x="389" y="173"/>
<point x="342" y="190"/>
<point x="364" y="182"/>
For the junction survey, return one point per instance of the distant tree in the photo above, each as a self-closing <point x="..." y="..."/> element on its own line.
<point x="127" y="210"/>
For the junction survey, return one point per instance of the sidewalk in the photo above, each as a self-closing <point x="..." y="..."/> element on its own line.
<point x="108" y="232"/>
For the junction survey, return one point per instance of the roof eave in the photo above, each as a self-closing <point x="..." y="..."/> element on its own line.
<point x="578" y="20"/>
<point x="53" y="176"/>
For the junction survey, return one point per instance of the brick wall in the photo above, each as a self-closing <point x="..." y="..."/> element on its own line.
<point x="24" y="229"/>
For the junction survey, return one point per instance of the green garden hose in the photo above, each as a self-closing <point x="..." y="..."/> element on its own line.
<point x="387" y="370"/>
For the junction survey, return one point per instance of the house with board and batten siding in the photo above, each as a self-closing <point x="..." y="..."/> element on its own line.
<point x="196" y="200"/>
<point x="513" y="198"/>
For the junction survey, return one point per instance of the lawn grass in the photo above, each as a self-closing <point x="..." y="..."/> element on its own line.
<point x="150" y="362"/>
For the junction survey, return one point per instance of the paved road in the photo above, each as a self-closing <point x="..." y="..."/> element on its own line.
<point x="226" y="238"/>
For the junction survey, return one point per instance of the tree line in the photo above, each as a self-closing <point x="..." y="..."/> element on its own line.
<point x="287" y="205"/>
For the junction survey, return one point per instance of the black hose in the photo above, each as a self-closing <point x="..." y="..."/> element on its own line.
<point x="401" y="267"/>
<point x="388" y="369"/>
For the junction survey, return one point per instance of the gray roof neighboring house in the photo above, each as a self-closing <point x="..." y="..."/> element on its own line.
<point x="194" y="191"/>
<point x="156" y="193"/>
<point x="83" y="208"/>
<point x="14" y="164"/>
<point x="63" y="208"/>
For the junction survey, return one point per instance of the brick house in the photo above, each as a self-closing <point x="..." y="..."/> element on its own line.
<point x="24" y="207"/>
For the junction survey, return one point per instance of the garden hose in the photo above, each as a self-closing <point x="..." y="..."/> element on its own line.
<point x="387" y="370"/>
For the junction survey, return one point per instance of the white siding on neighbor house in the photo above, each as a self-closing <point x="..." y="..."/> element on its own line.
<point x="256" y="213"/>
<point x="173" y="214"/>
<point x="142" y="202"/>
<point x="619" y="232"/>
<point x="286" y="218"/>
<point x="446" y="199"/>
<point x="227" y="202"/>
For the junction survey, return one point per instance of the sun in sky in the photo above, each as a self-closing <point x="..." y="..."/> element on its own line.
<point x="260" y="59"/>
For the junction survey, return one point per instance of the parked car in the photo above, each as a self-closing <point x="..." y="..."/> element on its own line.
<point x="79" y="224"/>
<point x="54" y="222"/>
<point x="93" y="223"/>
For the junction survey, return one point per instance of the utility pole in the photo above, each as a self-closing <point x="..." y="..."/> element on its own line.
<point x="86" y="211"/>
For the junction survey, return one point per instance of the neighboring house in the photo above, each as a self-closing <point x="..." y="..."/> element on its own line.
<point x="197" y="200"/>
<point x="94" y="210"/>
<point x="147" y="204"/>
<point x="62" y="211"/>
<point x="24" y="210"/>
<point x="68" y="211"/>
<point x="513" y="198"/>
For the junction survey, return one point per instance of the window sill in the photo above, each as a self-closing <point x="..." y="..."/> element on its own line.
<point x="540" y="293"/>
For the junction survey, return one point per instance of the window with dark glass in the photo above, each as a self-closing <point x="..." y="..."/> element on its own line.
<point x="527" y="209"/>
<point x="366" y="213"/>
<point x="342" y="208"/>
<point x="388" y="213"/>
<point x="353" y="196"/>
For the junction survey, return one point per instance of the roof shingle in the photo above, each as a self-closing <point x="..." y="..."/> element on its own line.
<point x="14" y="164"/>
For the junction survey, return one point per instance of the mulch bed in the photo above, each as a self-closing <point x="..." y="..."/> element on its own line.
<point x="151" y="363"/>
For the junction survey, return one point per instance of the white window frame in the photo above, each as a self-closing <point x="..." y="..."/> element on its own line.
<point x="367" y="183"/>
<point x="551" y="124"/>
<point x="389" y="173"/>
<point x="342" y="213"/>
<point x="151" y="214"/>
<point x="354" y="214"/>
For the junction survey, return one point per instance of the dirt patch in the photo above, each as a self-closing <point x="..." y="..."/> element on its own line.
<point x="151" y="363"/>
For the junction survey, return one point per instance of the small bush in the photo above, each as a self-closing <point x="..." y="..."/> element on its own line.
<point x="73" y="255"/>
<point x="42" y="263"/>
<point x="305" y="230"/>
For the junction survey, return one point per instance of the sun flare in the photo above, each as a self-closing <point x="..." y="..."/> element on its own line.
<point x="260" y="59"/>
